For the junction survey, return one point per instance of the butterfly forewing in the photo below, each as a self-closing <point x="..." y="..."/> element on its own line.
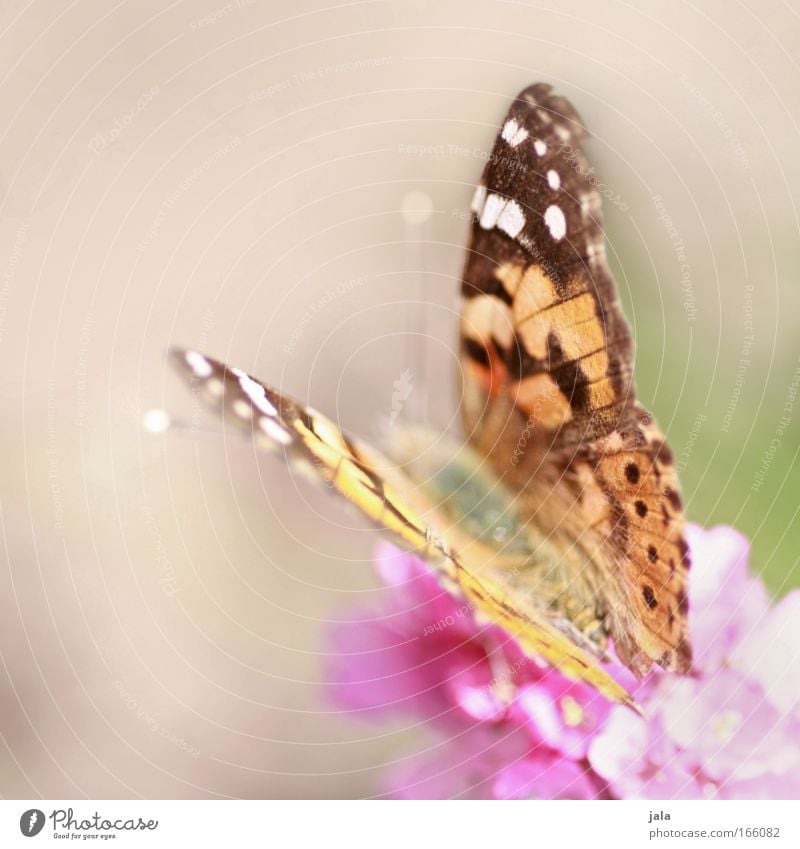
<point x="548" y="393"/>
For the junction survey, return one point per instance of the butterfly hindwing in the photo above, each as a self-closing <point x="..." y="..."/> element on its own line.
<point x="386" y="495"/>
<point x="547" y="364"/>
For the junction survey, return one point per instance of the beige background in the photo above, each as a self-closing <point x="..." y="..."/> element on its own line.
<point x="237" y="178"/>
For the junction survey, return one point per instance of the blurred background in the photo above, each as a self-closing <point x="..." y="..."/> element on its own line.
<point x="286" y="187"/>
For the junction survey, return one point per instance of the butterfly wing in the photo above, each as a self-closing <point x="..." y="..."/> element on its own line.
<point x="389" y="498"/>
<point x="547" y="362"/>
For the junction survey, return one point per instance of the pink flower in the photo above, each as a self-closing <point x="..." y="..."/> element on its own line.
<point x="703" y="739"/>
<point x="510" y="727"/>
<point x="548" y="776"/>
<point x="561" y="713"/>
<point x="639" y="761"/>
<point x="491" y="761"/>
<point x="731" y="730"/>
<point x="770" y="654"/>
<point x="726" y="603"/>
<point x="422" y="652"/>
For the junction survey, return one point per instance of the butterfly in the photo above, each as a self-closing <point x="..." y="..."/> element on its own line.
<point x="559" y="516"/>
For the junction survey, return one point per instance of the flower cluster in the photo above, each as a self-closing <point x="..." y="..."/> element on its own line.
<point x="509" y="727"/>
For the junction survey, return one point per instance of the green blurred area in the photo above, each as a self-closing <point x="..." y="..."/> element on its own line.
<point x="731" y="410"/>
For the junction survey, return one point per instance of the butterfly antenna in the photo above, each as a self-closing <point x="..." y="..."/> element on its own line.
<point x="417" y="208"/>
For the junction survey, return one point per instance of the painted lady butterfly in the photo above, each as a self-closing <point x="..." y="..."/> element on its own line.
<point x="560" y="520"/>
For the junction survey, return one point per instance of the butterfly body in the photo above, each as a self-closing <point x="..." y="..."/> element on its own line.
<point x="559" y="519"/>
<point x="498" y="532"/>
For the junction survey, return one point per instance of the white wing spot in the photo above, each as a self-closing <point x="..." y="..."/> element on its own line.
<point x="491" y="211"/>
<point x="198" y="364"/>
<point x="214" y="386"/>
<point x="478" y="200"/>
<point x="596" y="251"/>
<point x="306" y="469"/>
<point x="509" y="130"/>
<point x="511" y="219"/>
<point x="513" y="133"/>
<point x="540" y="147"/>
<point x="562" y="132"/>
<point x="555" y="221"/>
<point x="589" y="204"/>
<point x="257" y="394"/>
<point x="274" y="431"/>
<point x="553" y="180"/>
<point x="242" y="409"/>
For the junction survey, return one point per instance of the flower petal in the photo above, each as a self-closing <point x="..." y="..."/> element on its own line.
<point x="547" y="775"/>
<point x="725" y="601"/>
<point x="771" y="655"/>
